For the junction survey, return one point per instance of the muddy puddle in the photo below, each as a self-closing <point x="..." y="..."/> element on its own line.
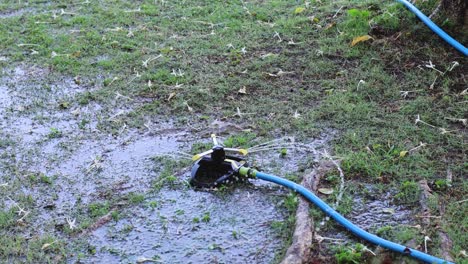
<point x="4" y="98"/>
<point x="373" y="210"/>
<point x="195" y="227"/>
<point x="10" y="14"/>
<point x="210" y="226"/>
<point x="378" y="210"/>
<point x="64" y="166"/>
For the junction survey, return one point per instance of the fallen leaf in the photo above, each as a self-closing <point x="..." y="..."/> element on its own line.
<point x="268" y="55"/>
<point x="171" y="95"/>
<point x="299" y="10"/>
<point x="144" y="260"/>
<point x="403" y="153"/>
<point x="313" y="19"/>
<point x="76" y="112"/>
<point x="325" y="190"/>
<point x="188" y="107"/>
<point x="388" y="210"/>
<point x="327" y="27"/>
<point x="76" y="54"/>
<point x="356" y="40"/>
<point x="243" y="90"/>
<point x="47" y="245"/>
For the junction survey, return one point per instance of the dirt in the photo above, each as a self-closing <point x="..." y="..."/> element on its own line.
<point x="372" y="209"/>
<point x="235" y="232"/>
<point x="238" y="229"/>
<point x="87" y="165"/>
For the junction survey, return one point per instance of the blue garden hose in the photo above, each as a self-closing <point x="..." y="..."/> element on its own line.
<point x="340" y="219"/>
<point x="435" y="28"/>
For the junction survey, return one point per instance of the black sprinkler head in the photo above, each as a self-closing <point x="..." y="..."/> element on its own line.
<point x="218" y="155"/>
<point x="210" y="172"/>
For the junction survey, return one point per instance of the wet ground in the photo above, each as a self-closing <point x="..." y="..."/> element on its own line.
<point x="173" y="225"/>
<point x="374" y="210"/>
<point x="58" y="157"/>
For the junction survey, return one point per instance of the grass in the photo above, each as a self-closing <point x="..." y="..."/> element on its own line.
<point x="287" y="67"/>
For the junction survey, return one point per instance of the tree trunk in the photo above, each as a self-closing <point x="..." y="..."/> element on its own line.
<point x="457" y="10"/>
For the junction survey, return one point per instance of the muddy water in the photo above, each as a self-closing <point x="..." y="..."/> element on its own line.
<point x="5" y="98"/>
<point x="370" y="212"/>
<point x="176" y="230"/>
<point x="84" y="164"/>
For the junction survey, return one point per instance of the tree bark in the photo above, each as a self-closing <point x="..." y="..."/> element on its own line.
<point x="457" y="9"/>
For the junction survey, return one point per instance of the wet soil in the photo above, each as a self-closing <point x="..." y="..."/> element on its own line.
<point x="372" y="209"/>
<point x="178" y="231"/>
<point x="64" y="164"/>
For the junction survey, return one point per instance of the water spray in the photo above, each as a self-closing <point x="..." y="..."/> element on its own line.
<point x="214" y="167"/>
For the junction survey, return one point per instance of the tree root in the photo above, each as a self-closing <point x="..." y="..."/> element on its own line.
<point x="300" y="250"/>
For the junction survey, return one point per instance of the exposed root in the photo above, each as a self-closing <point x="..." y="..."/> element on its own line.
<point x="300" y="249"/>
<point x="425" y="195"/>
<point x="446" y="243"/>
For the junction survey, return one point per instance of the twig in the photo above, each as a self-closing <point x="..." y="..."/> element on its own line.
<point x="432" y="66"/>
<point x="118" y="95"/>
<point x="20" y="211"/>
<point x="436" y="10"/>
<point x="428" y="216"/>
<point x="336" y="13"/>
<point x="418" y="147"/>
<point x="296" y="115"/>
<point x="138" y="10"/>
<point x="404" y="94"/>
<point x="145" y="63"/>
<point x="464" y="121"/>
<point x="426" y="238"/>
<point x="276" y="35"/>
<point x="441" y="129"/>
<point x="359" y="84"/>
<point x="177" y="73"/>
<point x="63" y="12"/>
<point x="240" y="114"/>
<point x="26" y="44"/>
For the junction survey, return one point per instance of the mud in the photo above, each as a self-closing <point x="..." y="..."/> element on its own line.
<point x="378" y="210"/>
<point x="63" y="166"/>
<point x="239" y="227"/>
<point x="372" y="209"/>
<point x="9" y="14"/>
